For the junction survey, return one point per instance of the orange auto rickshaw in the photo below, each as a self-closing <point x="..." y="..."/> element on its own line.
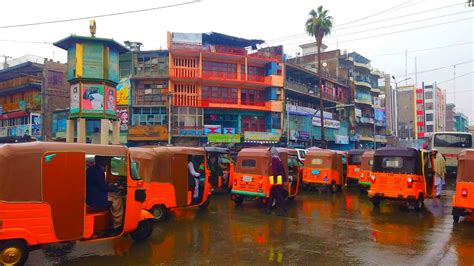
<point x="325" y="167"/>
<point x="223" y="178"/>
<point x="402" y="174"/>
<point x="43" y="197"/>
<point x="354" y="161"/>
<point x="463" y="200"/>
<point x="253" y="174"/>
<point x="167" y="178"/>
<point x="367" y="161"/>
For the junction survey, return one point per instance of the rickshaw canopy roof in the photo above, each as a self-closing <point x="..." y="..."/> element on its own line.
<point x="216" y="149"/>
<point x="368" y="155"/>
<point x="357" y="152"/>
<point x="21" y="165"/>
<point x="321" y="153"/>
<point x="465" y="171"/>
<point x="397" y="151"/>
<point x="466" y="155"/>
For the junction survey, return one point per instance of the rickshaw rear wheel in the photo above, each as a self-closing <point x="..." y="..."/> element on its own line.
<point x="13" y="252"/>
<point x="456" y="219"/>
<point x="160" y="212"/>
<point x="334" y="188"/>
<point x="419" y="203"/>
<point x="375" y="201"/>
<point x="238" y="200"/>
<point x="143" y="231"/>
<point x="205" y="205"/>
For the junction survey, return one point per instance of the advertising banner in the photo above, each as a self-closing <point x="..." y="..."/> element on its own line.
<point x="75" y="98"/>
<point x="223" y="138"/>
<point x="340" y="139"/>
<point x="110" y="107"/>
<point x="123" y="92"/>
<point x="229" y="130"/>
<point x="212" y="129"/>
<point x="122" y="113"/>
<point x="93" y="98"/>
<point x="261" y="136"/>
<point x="329" y="123"/>
<point x="35" y="125"/>
<point x="190" y="132"/>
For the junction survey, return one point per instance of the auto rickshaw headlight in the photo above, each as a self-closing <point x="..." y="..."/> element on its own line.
<point x="464" y="192"/>
<point x="362" y="175"/>
<point x="372" y="179"/>
<point x="409" y="182"/>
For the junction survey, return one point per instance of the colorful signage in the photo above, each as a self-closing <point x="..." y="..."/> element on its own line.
<point x="35" y="125"/>
<point x="123" y="92"/>
<point x="340" y="139"/>
<point x="92" y="98"/>
<point x="153" y="133"/>
<point x="229" y="130"/>
<point x="190" y="132"/>
<point x="110" y="100"/>
<point x="212" y="129"/>
<point x="223" y="138"/>
<point x="75" y="98"/>
<point x="329" y="123"/>
<point x="261" y="136"/>
<point x="122" y="114"/>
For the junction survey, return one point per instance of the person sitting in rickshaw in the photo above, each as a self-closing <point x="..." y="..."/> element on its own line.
<point x="99" y="193"/>
<point x="194" y="176"/>
<point x="215" y="169"/>
<point x="277" y="191"/>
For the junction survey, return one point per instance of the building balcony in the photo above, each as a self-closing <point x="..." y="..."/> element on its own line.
<point x="362" y="83"/>
<point x="184" y="72"/>
<point x="19" y="82"/>
<point x="275" y="80"/>
<point x="364" y="66"/>
<point x="380" y="138"/>
<point x="363" y="101"/>
<point x="219" y="75"/>
<point x="313" y="92"/>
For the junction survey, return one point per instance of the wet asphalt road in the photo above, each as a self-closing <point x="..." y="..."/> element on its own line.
<point x="320" y="228"/>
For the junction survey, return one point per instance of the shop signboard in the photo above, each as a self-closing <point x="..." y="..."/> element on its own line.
<point x="123" y="92"/>
<point x="190" y="132"/>
<point x="93" y="98"/>
<point x="110" y="101"/>
<point x="223" y="138"/>
<point x="261" y="136"/>
<point x="329" y="123"/>
<point x="341" y="139"/>
<point x="36" y="125"/>
<point x="229" y="130"/>
<point x="212" y="129"/>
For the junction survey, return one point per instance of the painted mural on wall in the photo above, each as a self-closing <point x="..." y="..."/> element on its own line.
<point x="93" y="99"/>
<point x="93" y="60"/>
<point x="75" y="98"/>
<point x="123" y="92"/>
<point x="110" y="100"/>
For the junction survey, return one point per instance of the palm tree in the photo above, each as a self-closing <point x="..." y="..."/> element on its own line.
<point x="318" y="25"/>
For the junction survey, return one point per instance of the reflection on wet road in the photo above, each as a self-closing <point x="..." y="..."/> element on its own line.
<point x="320" y="227"/>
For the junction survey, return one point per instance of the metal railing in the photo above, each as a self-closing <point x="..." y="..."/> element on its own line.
<point x="19" y="82"/>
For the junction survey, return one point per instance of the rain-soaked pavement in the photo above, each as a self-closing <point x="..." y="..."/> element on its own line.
<point x="320" y="228"/>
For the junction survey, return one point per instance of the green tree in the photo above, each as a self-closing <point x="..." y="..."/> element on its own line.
<point x="319" y="25"/>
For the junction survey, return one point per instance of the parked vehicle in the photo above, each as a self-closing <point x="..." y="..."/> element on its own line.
<point x="367" y="162"/>
<point x="402" y="174"/>
<point x="325" y="167"/>
<point x="43" y="197"/>
<point x="463" y="200"/>
<point x="253" y="172"/>
<point x="450" y="144"/>
<point x="168" y="181"/>
<point x="353" y="166"/>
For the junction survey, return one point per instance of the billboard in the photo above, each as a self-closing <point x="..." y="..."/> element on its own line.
<point x="110" y="100"/>
<point x="123" y="92"/>
<point x="122" y="114"/>
<point x="75" y="98"/>
<point x="212" y="129"/>
<point x="35" y="125"/>
<point x="93" y="98"/>
<point x="223" y="138"/>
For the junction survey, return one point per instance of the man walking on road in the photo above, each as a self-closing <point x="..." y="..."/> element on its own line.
<point x="277" y="191"/>
<point x="440" y="172"/>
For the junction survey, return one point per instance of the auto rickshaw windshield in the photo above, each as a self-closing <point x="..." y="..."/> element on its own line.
<point x="367" y="164"/>
<point x="355" y="159"/>
<point x="321" y="161"/>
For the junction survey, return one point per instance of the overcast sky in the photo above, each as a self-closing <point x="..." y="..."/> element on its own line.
<point x="276" y="21"/>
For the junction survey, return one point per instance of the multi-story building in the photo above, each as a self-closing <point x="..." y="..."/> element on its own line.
<point x="405" y="112"/>
<point x="461" y="123"/>
<point x="223" y="88"/>
<point x="450" y="113"/>
<point x="303" y="119"/>
<point x="367" y="118"/>
<point x="30" y="91"/>
<point x="143" y="106"/>
<point x="435" y="109"/>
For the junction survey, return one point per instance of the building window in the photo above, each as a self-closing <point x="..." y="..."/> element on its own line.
<point x="151" y="64"/>
<point x="150" y="93"/>
<point x="55" y="78"/>
<point x="219" y="95"/>
<point x="149" y="116"/>
<point x="428" y="95"/>
<point x="252" y="97"/>
<point x="276" y="120"/>
<point x="429" y="128"/>
<point x="429" y="117"/>
<point x="219" y="70"/>
<point x="429" y="106"/>
<point x="253" y="123"/>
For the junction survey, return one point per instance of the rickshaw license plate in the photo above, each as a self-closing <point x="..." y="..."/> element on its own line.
<point x="247" y="179"/>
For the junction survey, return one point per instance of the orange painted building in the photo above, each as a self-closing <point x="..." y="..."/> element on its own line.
<point x="224" y="85"/>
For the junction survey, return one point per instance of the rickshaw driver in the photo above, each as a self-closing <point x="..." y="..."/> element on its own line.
<point x="99" y="193"/>
<point x="277" y="191"/>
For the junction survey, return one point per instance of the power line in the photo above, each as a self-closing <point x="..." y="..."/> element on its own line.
<point x="379" y="12"/>
<point x="99" y="16"/>
<point x="369" y="23"/>
<point x="435" y="69"/>
<point x="19" y="41"/>
<point x="444" y="81"/>
<point x="394" y="32"/>
<point x="423" y="50"/>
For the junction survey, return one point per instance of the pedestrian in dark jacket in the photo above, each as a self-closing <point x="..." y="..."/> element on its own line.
<point x="278" y="192"/>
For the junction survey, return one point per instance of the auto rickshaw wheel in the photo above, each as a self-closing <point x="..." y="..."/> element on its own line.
<point x="160" y="212"/>
<point x="375" y="201"/>
<point x="238" y="200"/>
<point x="205" y="205"/>
<point x="13" y="252"/>
<point x="334" y="188"/>
<point x="456" y="219"/>
<point x="419" y="203"/>
<point x="143" y="231"/>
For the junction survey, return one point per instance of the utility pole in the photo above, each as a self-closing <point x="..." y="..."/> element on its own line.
<point x="406" y="66"/>
<point x="416" y="75"/>
<point x="454" y="84"/>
